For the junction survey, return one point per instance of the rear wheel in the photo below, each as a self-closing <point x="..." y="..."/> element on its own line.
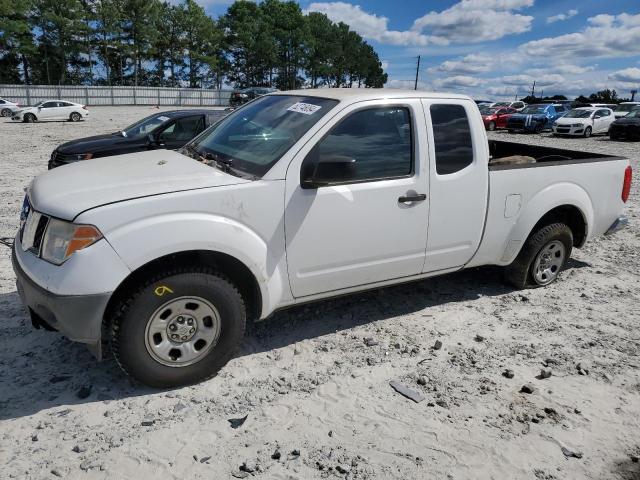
<point x="538" y="128"/>
<point x="587" y="132"/>
<point x="5" y="112"/>
<point x="75" y="117"/>
<point x="179" y="327"/>
<point x="492" y="126"/>
<point x="29" y="118"/>
<point x="544" y="255"/>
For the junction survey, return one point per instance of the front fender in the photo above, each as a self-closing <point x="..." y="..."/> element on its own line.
<point x="541" y="203"/>
<point x="143" y="241"/>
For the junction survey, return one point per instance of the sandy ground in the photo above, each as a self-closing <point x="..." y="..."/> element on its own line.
<point x="314" y="381"/>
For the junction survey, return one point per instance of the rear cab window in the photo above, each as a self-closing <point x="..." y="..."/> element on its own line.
<point x="452" y="140"/>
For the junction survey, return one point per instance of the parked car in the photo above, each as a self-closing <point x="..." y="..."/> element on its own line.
<point x="7" y="108"/>
<point x="584" y="121"/>
<point x="51" y="110"/>
<point x="496" y="117"/>
<point x="519" y="106"/>
<point x="166" y="255"/>
<point x="624" y="108"/>
<point x="535" y="118"/>
<point x="170" y="130"/>
<point x="627" y="127"/>
<point x="240" y="97"/>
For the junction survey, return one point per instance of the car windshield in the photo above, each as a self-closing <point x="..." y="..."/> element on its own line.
<point x="501" y="104"/>
<point x="633" y="114"/>
<point x="145" y="126"/>
<point x="491" y="111"/>
<point x="579" y="114"/>
<point x="534" y="109"/>
<point x="253" y="138"/>
<point x="624" y="108"/>
<point x="39" y="104"/>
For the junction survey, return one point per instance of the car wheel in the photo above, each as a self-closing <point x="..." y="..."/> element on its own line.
<point x="510" y="131"/>
<point x="587" y="132"/>
<point x="179" y="327"/>
<point x="544" y="255"/>
<point x="29" y="118"/>
<point x="492" y="126"/>
<point x="75" y="117"/>
<point x="538" y="128"/>
<point x="5" y="112"/>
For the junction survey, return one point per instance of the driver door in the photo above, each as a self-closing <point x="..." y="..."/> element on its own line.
<point x="365" y="220"/>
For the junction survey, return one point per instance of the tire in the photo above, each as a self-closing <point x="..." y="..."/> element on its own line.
<point x="158" y="305"/>
<point x="29" y="118"/>
<point x="510" y="131"/>
<point x="538" y="128"/>
<point x="527" y="271"/>
<point x="75" y="117"/>
<point x="587" y="132"/>
<point x="5" y="112"/>
<point x="492" y="126"/>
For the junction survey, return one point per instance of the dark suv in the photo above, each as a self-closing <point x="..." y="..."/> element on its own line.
<point x="170" y="130"/>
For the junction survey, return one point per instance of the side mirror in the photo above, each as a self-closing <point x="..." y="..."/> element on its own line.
<point x="328" y="169"/>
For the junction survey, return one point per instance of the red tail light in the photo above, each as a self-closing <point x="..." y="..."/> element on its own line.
<point x="626" y="185"/>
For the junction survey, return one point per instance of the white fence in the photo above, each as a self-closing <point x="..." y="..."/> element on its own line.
<point x="31" y="94"/>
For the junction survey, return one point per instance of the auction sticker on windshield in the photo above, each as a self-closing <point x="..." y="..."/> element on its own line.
<point x="306" y="108"/>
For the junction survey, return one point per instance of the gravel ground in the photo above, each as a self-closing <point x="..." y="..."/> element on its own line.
<point x="314" y="380"/>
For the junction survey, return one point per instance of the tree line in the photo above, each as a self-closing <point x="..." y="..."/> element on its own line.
<point x="158" y="43"/>
<point x="603" y="96"/>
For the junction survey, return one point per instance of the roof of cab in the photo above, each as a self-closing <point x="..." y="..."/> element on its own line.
<point x="356" y="94"/>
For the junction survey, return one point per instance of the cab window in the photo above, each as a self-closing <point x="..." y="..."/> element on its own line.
<point x="183" y="129"/>
<point x="451" y="138"/>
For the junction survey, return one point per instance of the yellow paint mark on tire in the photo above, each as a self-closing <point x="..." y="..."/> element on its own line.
<point x="162" y="290"/>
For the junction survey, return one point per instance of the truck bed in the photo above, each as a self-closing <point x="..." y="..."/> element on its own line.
<point x="544" y="156"/>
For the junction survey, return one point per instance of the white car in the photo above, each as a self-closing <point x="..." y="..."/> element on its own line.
<point x="297" y="196"/>
<point x="519" y="106"/>
<point x="51" y="110"/>
<point x="7" y="108"/>
<point x="623" y="108"/>
<point x="584" y="121"/>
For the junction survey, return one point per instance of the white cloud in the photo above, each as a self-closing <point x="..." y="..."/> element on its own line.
<point x="527" y="80"/>
<point x="473" y="21"/>
<point x="606" y="36"/>
<point x="371" y="26"/>
<point x="563" y="68"/>
<point x="458" y="81"/>
<point x="627" y="75"/>
<point x="407" y="84"/>
<point x="469" y="65"/>
<point x="561" y="17"/>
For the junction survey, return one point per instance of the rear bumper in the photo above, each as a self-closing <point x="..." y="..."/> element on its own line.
<point x="78" y="317"/>
<point x="620" y="223"/>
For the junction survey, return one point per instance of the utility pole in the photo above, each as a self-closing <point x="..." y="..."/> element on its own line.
<point x="633" y="94"/>
<point x="415" y="87"/>
<point x="515" y="98"/>
<point x="533" y="89"/>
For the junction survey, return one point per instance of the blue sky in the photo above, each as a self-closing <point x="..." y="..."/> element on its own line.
<point x="497" y="48"/>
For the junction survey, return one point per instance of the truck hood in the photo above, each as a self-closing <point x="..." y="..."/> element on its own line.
<point x="67" y="191"/>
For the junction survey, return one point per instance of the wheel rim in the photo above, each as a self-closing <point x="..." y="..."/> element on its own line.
<point x="182" y="331"/>
<point x="548" y="262"/>
<point x="587" y="132"/>
<point x="75" y="117"/>
<point x="6" y="112"/>
<point x="492" y="126"/>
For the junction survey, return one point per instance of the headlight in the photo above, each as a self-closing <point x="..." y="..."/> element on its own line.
<point x="76" y="157"/>
<point x="577" y="125"/>
<point x="62" y="239"/>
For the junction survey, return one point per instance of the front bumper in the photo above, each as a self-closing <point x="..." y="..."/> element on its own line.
<point x="620" y="223"/>
<point x="568" y="130"/>
<point x="78" y="317"/>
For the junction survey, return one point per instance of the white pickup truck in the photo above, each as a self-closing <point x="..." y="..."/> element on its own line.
<point x="297" y="196"/>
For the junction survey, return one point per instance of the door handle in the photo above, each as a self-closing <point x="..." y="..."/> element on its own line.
<point x="418" y="197"/>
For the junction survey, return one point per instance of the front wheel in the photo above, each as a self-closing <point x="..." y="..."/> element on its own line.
<point x="492" y="126"/>
<point x="29" y="118"/>
<point x="544" y="255"/>
<point x="178" y="328"/>
<point x="75" y="117"/>
<point x="587" y="132"/>
<point x="538" y="128"/>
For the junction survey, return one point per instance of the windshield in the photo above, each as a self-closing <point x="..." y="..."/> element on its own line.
<point x="534" y="109"/>
<point x="624" y="108"/>
<point x="252" y="139"/>
<point x="579" y="114"/>
<point x="490" y="111"/>
<point x="145" y="126"/>
<point x="633" y="114"/>
<point x="502" y="104"/>
<point x="39" y="104"/>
